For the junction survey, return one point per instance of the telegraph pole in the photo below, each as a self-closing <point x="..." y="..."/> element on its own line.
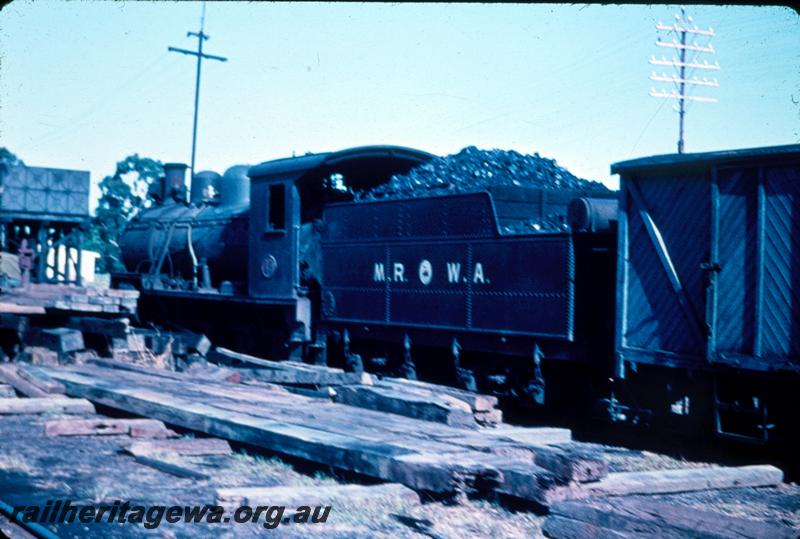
<point x="681" y="91"/>
<point x="201" y="36"/>
<point x="684" y="82"/>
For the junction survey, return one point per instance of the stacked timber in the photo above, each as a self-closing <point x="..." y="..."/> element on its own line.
<point x="538" y="465"/>
<point x="188" y="343"/>
<point x="50" y="337"/>
<point x="48" y="324"/>
<point x="437" y="408"/>
<point x="50" y="346"/>
<point x="171" y="350"/>
<point x="419" y="454"/>
<point x="431" y="402"/>
<point x="59" y="405"/>
<point x="38" y="345"/>
<point x="62" y="297"/>
<point x="83" y="338"/>
<point x="6" y="391"/>
<point x="645" y="517"/>
<point x="286" y="372"/>
<point x="181" y="447"/>
<point x="144" y="347"/>
<point x="135" y="428"/>
<point x="29" y="383"/>
<point x="184" y="351"/>
<point x="411" y="398"/>
<point x="204" y="373"/>
<point x="484" y="408"/>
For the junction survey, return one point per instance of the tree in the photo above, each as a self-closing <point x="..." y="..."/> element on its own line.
<point x="7" y="160"/>
<point x="123" y="195"/>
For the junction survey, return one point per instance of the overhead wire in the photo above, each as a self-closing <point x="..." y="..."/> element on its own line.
<point x="647" y="125"/>
<point x="607" y="51"/>
<point x="76" y="121"/>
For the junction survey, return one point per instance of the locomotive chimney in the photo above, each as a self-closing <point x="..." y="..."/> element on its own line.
<point x="175" y="182"/>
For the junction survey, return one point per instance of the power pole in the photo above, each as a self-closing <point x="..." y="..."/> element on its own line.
<point x="201" y="36"/>
<point x="684" y="81"/>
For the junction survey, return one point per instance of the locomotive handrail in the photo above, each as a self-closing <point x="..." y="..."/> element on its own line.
<point x="167" y="241"/>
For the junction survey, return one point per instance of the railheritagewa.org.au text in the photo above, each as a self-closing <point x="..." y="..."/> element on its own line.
<point x="153" y="516"/>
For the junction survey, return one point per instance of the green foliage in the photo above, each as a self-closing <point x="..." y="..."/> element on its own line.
<point x="123" y="195"/>
<point x="8" y="159"/>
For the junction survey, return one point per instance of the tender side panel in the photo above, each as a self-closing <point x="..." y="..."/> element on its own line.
<point x="350" y="290"/>
<point x="530" y="290"/>
<point x="433" y="289"/>
<point x="519" y="286"/>
<point x="459" y="274"/>
<point x="463" y="215"/>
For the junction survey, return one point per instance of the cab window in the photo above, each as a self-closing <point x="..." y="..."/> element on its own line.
<point x="276" y="208"/>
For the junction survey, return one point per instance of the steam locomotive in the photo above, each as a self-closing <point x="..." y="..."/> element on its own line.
<point x="681" y="292"/>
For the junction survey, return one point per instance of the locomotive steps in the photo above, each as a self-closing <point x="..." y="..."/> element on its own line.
<point x="537" y="465"/>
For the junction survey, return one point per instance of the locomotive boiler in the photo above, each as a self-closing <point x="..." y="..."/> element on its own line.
<point x="175" y="244"/>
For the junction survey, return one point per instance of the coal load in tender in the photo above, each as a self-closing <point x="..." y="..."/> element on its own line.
<point x="473" y="169"/>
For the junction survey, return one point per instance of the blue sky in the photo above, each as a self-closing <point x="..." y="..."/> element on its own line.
<point x="83" y="84"/>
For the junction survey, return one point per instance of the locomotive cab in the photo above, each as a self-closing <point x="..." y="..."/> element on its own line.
<point x="288" y="197"/>
<point x="287" y="200"/>
<point x="273" y="239"/>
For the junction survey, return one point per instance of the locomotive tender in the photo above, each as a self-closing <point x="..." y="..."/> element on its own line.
<point x="696" y="296"/>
